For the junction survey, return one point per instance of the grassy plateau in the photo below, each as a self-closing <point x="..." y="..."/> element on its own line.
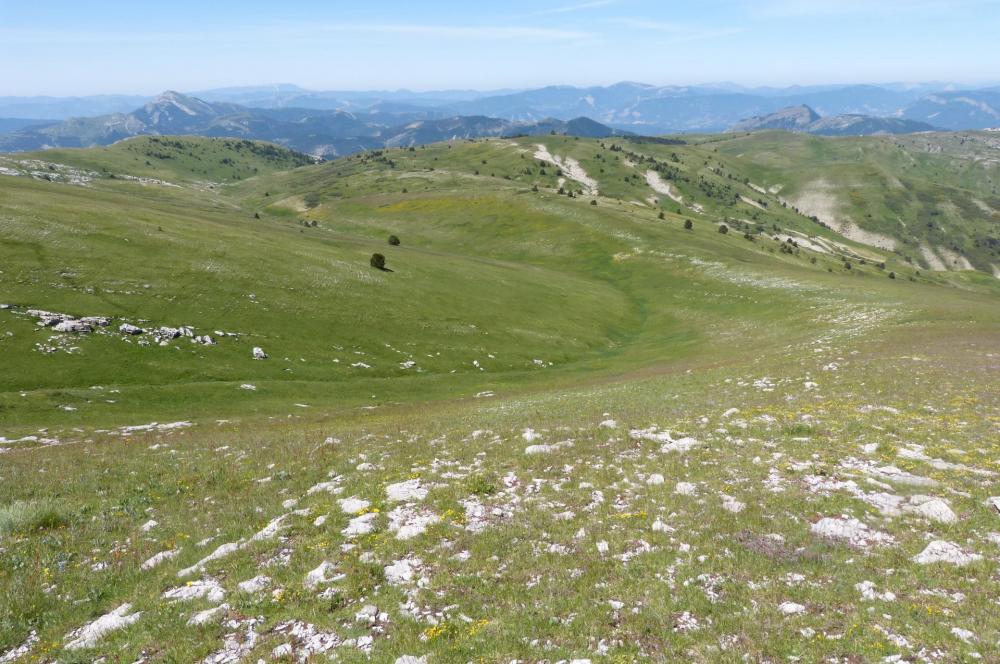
<point x="733" y="398"/>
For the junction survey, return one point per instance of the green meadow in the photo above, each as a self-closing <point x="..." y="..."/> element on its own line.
<point x="572" y="420"/>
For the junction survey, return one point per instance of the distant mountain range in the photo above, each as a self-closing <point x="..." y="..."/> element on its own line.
<point x="338" y="122"/>
<point x="319" y="132"/>
<point x="975" y="109"/>
<point x="806" y="120"/>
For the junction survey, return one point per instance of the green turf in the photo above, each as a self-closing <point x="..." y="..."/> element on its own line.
<point x="519" y="307"/>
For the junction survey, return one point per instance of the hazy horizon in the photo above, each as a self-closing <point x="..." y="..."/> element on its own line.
<point x="75" y="50"/>
<point x="158" y="90"/>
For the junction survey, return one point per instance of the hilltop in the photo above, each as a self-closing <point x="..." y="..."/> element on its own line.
<point x="651" y="373"/>
<point x="931" y="198"/>
<point x="806" y="120"/>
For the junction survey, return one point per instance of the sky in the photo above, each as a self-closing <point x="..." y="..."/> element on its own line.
<point x="69" y="47"/>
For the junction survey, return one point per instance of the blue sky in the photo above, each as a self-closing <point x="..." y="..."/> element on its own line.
<point x="64" y="47"/>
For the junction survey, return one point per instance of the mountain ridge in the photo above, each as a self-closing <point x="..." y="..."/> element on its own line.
<point x="319" y="133"/>
<point x="804" y="119"/>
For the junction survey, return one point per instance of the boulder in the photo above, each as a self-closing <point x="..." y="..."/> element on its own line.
<point x="128" y="328"/>
<point x="46" y="318"/>
<point x="940" y="551"/>
<point x="73" y="325"/>
<point x="258" y="353"/>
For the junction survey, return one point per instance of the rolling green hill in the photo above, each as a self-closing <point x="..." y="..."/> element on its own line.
<point x="186" y="159"/>
<point x="931" y="197"/>
<point x="572" y="419"/>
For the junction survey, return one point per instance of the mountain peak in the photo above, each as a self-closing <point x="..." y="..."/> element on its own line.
<point x="171" y="102"/>
<point x="792" y="118"/>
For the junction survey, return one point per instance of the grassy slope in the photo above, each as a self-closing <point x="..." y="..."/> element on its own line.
<point x="645" y="323"/>
<point x="935" y="189"/>
<point x="185" y="159"/>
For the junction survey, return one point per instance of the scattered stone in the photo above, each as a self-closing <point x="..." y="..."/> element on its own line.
<point x="332" y="487"/>
<point x="686" y="489"/>
<point x="963" y="634"/>
<point x="409" y="522"/>
<point x="353" y="505"/>
<point x="221" y="552"/>
<point x="868" y="592"/>
<point x="160" y="558"/>
<point x="271" y="530"/>
<point x="25" y="647"/>
<point x="308" y="640"/>
<point x="167" y="333"/>
<point x="934" y="509"/>
<point x="237" y="645"/>
<point x="325" y="574"/>
<point x="208" y="616"/>
<point x="73" y="326"/>
<point x="88" y="635"/>
<point x="854" y="532"/>
<point x="940" y="551"/>
<point x="208" y="589"/>
<point x="361" y="525"/>
<point x="547" y="449"/>
<point x="255" y="585"/>
<point x="406" y="491"/>
<point x="402" y="572"/>
<point x="791" y="608"/>
<point x="730" y="504"/>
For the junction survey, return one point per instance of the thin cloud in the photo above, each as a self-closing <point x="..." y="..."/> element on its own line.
<point x="676" y="32"/>
<point x="581" y="6"/>
<point x="796" y="9"/>
<point x="496" y="32"/>
<point x="298" y="31"/>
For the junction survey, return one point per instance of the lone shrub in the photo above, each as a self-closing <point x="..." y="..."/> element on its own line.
<point x="378" y="261"/>
<point x="723" y="229"/>
<point x="688" y="224"/>
<point x="892" y="275"/>
<point x="393" y="240"/>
